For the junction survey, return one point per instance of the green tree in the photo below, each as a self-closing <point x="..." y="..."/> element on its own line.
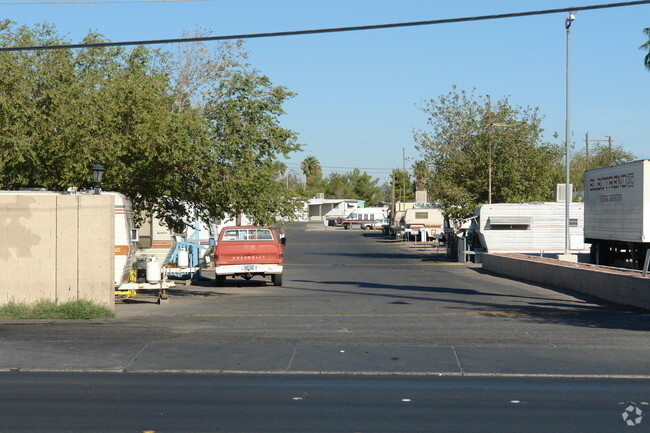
<point x="208" y="144"/>
<point x="646" y="47"/>
<point x="354" y="185"/>
<point x="338" y="185"/>
<point x="457" y="150"/>
<point x="599" y="156"/>
<point x="243" y="111"/>
<point x="313" y="173"/>
<point x="365" y="187"/>
<point x="421" y="174"/>
<point x="404" y="186"/>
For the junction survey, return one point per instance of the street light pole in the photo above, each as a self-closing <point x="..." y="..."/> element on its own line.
<point x="489" y="138"/>
<point x="567" y="25"/>
<point x="403" y="178"/>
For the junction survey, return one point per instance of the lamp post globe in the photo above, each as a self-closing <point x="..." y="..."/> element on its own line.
<point x="98" y="172"/>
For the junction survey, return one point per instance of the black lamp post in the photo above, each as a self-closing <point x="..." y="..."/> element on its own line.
<point x="98" y="173"/>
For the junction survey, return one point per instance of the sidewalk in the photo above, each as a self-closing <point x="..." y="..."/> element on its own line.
<point x="170" y="357"/>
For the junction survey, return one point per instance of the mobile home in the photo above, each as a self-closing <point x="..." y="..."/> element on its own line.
<point x="529" y="228"/>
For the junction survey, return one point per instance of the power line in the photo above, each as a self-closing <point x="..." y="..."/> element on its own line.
<point x="328" y="30"/>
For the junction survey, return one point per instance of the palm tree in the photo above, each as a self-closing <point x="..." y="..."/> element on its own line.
<point x="421" y="173"/>
<point x="646" y="47"/>
<point x="280" y="168"/>
<point x="311" y="167"/>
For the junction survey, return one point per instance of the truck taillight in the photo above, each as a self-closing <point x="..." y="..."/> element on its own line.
<point x="281" y="255"/>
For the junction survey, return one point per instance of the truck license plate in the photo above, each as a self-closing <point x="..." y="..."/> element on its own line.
<point x="249" y="267"/>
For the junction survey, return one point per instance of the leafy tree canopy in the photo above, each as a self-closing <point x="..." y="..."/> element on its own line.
<point x="197" y="131"/>
<point x="456" y="150"/>
<point x="599" y="156"/>
<point x="404" y="186"/>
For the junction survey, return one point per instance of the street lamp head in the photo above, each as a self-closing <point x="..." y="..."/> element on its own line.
<point x="571" y="18"/>
<point x="98" y="172"/>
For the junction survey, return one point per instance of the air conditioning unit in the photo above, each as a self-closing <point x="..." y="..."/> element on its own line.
<point x="560" y="190"/>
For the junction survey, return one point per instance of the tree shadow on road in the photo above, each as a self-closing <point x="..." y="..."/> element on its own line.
<point x="590" y="313"/>
<point x="428" y="256"/>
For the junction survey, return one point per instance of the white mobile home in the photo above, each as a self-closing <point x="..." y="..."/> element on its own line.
<point x="529" y="228"/>
<point x="326" y="209"/>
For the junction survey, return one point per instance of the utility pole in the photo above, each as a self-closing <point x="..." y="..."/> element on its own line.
<point x="489" y="139"/>
<point x="392" y="198"/>
<point x="403" y="178"/>
<point x="588" y="140"/>
<point x="587" y="151"/>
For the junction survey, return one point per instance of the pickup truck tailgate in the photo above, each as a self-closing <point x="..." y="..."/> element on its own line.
<point x="248" y="252"/>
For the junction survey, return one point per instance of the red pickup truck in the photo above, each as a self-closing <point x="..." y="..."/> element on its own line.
<point x="246" y="251"/>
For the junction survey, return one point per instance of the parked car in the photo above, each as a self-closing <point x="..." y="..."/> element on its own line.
<point x="375" y="224"/>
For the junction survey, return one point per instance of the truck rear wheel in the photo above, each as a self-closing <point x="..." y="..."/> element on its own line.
<point x="276" y="279"/>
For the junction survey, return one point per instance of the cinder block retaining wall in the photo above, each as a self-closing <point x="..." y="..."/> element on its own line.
<point x="623" y="289"/>
<point x="57" y="247"/>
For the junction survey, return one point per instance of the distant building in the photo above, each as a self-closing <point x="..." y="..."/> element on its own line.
<point x="324" y="209"/>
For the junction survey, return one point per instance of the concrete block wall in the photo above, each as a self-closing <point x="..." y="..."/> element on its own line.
<point x="622" y="289"/>
<point x="57" y="247"/>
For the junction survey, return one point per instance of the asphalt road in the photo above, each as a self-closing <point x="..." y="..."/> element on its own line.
<point x="367" y="334"/>
<point x="87" y="402"/>
<point x="352" y="302"/>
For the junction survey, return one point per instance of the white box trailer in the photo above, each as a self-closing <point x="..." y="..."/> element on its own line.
<point x="617" y="213"/>
<point x="529" y="228"/>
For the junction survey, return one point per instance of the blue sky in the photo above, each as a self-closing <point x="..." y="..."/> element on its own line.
<point x="358" y="93"/>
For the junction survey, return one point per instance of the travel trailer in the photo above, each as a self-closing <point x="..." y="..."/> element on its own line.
<point x="424" y="222"/>
<point x="126" y="238"/>
<point x="529" y="228"/>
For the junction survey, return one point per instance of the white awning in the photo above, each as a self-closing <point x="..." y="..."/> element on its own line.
<point x="510" y="221"/>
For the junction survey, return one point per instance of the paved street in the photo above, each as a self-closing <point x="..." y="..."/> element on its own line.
<point x="352" y="302"/>
<point x="104" y="402"/>
<point x="367" y="334"/>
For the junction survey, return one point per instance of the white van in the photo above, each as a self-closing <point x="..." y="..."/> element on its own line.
<point x="364" y="215"/>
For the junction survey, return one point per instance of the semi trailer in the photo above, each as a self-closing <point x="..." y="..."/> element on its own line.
<point x="617" y="214"/>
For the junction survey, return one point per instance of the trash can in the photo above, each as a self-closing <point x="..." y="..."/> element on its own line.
<point x="461" y="246"/>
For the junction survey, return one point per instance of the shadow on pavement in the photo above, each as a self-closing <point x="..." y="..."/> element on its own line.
<point x="591" y="313"/>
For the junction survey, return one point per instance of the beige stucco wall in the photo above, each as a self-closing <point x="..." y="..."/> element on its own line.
<point x="56" y="246"/>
